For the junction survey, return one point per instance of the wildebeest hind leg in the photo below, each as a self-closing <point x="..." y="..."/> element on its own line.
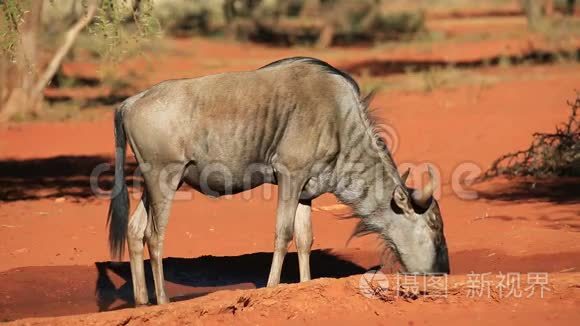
<point x="135" y="235"/>
<point x="162" y="183"/>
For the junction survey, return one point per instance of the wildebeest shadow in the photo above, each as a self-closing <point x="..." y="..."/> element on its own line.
<point x="563" y="190"/>
<point x="56" y="177"/>
<point x="38" y="291"/>
<point x="200" y="276"/>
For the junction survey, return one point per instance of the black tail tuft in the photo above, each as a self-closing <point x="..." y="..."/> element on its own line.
<point x="118" y="219"/>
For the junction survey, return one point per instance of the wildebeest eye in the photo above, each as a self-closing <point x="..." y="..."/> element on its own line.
<point x="381" y="144"/>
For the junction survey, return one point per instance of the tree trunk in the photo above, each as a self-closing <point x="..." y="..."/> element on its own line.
<point x="549" y="7"/>
<point x="69" y="39"/>
<point x="570" y="7"/>
<point x="310" y="8"/>
<point x="25" y="69"/>
<point x="373" y="13"/>
<point x="27" y="96"/>
<point x="533" y="10"/>
<point x="326" y="36"/>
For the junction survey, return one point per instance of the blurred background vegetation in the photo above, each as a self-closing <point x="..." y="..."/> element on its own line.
<point x="37" y="36"/>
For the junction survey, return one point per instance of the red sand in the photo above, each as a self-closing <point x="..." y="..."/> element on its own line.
<point x="50" y="243"/>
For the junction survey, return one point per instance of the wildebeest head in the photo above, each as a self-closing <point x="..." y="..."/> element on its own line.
<point x="417" y="233"/>
<point x="413" y="228"/>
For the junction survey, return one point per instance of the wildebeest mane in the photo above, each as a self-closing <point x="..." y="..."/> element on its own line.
<point x="313" y="61"/>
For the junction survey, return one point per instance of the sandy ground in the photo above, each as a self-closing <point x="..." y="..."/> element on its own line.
<point x="53" y="253"/>
<point x="342" y="304"/>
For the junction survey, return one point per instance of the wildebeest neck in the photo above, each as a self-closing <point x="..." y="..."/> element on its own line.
<point x="366" y="172"/>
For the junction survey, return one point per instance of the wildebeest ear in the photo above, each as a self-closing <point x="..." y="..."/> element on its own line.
<point x="402" y="200"/>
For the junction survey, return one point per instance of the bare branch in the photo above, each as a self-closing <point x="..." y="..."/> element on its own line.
<point x="70" y="37"/>
<point x="550" y="154"/>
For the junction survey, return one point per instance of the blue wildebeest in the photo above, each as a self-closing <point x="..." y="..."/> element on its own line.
<point x="298" y="123"/>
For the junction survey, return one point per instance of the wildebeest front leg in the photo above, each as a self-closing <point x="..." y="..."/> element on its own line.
<point x="288" y="195"/>
<point x="303" y="238"/>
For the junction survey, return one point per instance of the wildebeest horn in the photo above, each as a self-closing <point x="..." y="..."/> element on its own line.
<point x="423" y="197"/>
<point x="405" y="176"/>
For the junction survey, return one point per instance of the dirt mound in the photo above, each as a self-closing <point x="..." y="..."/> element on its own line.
<point x="67" y="290"/>
<point x="43" y="291"/>
<point x="342" y="301"/>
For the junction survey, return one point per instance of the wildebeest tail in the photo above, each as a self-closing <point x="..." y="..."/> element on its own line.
<point x="118" y="219"/>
